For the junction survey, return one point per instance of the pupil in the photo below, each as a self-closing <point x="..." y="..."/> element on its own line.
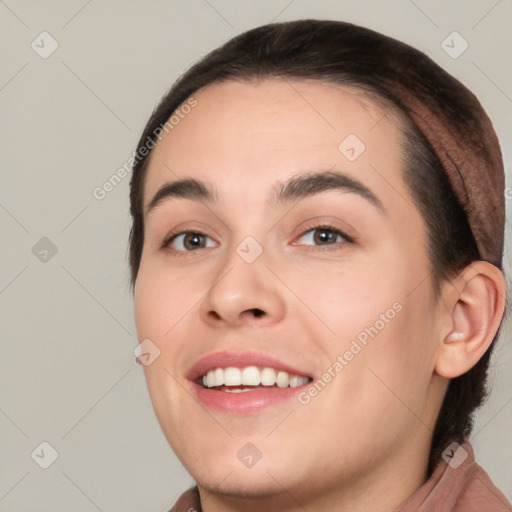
<point x="324" y="238"/>
<point x="195" y="237"/>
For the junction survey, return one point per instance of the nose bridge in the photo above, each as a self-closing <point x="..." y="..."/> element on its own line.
<point x="243" y="286"/>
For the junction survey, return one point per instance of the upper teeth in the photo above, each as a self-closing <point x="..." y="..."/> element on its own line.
<point x="252" y="376"/>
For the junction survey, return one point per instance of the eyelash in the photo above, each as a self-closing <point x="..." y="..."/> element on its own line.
<point x="324" y="227"/>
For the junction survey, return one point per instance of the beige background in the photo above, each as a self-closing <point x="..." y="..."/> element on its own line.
<point x="69" y="121"/>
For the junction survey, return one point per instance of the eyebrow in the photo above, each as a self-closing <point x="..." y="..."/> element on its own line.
<point x="298" y="187"/>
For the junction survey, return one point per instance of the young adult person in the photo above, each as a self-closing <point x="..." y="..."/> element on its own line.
<point x="316" y="251"/>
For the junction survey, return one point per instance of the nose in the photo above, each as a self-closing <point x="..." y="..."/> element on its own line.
<point x="243" y="294"/>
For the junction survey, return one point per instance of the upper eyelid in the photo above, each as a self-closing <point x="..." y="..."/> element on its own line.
<point x="317" y="221"/>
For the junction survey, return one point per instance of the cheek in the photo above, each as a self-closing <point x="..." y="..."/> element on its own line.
<point x="388" y="365"/>
<point x="381" y="324"/>
<point x="161" y="299"/>
<point x="346" y="297"/>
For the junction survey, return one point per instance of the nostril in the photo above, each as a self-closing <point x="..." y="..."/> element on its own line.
<point x="257" y="312"/>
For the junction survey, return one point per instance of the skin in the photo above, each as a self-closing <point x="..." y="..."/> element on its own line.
<point x="363" y="442"/>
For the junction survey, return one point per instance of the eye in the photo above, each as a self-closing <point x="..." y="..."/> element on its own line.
<point x="324" y="235"/>
<point x="186" y="241"/>
<point x="189" y="241"/>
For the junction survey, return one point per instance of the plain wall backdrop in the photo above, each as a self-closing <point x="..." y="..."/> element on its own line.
<point x="78" y="82"/>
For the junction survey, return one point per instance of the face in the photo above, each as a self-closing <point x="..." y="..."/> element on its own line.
<point x="327" y="282"/>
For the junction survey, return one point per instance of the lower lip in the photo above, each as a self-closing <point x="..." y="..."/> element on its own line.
<point x="244" y="403"/>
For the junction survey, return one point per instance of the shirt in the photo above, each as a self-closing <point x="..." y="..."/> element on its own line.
<point x="457" y="484"/>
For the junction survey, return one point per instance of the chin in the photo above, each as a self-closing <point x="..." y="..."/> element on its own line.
<point x="229" y="470"/>
<point x="242" y="483"/>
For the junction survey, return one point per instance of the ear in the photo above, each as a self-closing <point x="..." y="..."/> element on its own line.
<point x="475" y="305"/>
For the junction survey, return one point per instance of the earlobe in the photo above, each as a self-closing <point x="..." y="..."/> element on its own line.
<point x="476" y="311"/>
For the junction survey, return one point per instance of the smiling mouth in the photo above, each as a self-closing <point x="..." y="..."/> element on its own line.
<point x="250" y="378"/>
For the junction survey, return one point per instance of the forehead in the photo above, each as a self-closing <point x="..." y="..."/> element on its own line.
<point x="244" y="136"/>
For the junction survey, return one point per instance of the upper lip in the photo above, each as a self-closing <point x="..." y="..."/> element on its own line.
<point x="225" y="359"/>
